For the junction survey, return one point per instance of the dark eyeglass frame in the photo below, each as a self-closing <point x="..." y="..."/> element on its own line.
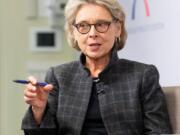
<point x="106" y="23"/>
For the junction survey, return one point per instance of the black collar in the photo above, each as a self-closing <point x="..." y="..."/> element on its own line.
<point x="113" y="60"/>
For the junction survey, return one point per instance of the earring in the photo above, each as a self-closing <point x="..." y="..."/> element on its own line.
<point x="118" y="39"/>
<point x="117" y="42"/>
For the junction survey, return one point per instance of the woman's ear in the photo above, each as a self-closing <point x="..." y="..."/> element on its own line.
<point x="118" y="32"/>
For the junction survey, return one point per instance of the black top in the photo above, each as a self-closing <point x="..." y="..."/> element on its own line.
<point x="93" y="124"/>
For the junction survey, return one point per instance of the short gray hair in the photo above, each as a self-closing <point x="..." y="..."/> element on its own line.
<point x="114" y="7"/>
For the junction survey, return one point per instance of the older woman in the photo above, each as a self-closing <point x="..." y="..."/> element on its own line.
<point x="100" y="94"/>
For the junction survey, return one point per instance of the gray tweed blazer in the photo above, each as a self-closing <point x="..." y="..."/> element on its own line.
<point x="130" y="98"/>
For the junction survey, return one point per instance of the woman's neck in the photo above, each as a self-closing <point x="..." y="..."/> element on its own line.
<point x="96" y="66"/>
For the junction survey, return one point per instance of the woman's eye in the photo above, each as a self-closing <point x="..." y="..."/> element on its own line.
<point x="102" y="24"/>
<point x="99" y="24"/>
<point x="82" y="25"/>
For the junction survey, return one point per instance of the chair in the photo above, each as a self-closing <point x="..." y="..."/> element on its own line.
<point x="173" y="103"/>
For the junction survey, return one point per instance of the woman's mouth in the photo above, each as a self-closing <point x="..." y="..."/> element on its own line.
<point x="94" y="46"/>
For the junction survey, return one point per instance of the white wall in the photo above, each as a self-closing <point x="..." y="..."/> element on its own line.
<point x="154" y="39"/>
<point x="15" y="59"/>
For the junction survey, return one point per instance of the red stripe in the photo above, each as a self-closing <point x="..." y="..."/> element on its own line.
<point x="147" y="7"/>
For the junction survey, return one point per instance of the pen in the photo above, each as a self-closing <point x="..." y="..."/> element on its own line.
<point x="26" y="82"/>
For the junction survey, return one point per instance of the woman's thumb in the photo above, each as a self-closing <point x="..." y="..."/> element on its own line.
<point x="48" y="87"/>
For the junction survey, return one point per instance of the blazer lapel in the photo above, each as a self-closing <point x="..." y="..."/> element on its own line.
<point x="73" y="103"/>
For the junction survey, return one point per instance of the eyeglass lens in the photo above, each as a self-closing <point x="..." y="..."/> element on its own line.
<point x="101" y="27"/>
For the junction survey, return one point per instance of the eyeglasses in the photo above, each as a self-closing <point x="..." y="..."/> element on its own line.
<point x="101" y="26"/>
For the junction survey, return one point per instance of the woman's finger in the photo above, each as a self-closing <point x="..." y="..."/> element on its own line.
<point x="28" y="100"/>
<point x="30" y="94"/>
<point x="32" y="80"/>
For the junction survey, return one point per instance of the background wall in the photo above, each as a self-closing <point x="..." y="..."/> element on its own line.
<point x="0" y="62"/>
<point x="15" y="59"/>
<point x="153" y="36"/>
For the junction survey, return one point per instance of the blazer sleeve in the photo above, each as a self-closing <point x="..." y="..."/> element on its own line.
<point x="49" y="125"/>
<point x="156" y="118"/>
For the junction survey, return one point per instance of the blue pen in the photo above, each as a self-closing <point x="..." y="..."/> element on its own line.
<point x="26" y="82"/>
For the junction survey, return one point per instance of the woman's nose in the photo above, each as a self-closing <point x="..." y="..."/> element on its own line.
<point x="93" y="32"/>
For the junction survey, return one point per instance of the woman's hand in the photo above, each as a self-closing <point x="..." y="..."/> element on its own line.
<point x="37" y="96"/>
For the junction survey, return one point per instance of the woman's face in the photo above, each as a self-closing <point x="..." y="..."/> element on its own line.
<point x="94" y="44"/>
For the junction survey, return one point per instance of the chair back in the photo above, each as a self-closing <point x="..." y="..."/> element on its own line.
<point x="173" y="103"/>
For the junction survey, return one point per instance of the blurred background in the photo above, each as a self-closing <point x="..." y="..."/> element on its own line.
<point x="32" y="39"/>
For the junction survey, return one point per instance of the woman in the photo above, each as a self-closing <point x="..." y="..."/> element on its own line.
<point x="100" y="94"/>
